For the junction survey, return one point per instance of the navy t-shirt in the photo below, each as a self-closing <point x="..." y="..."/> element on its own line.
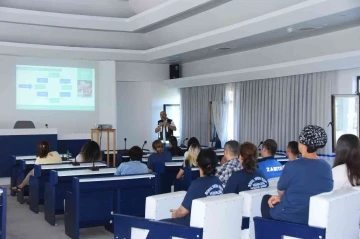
<point x="242" y="181"/>
<point x="158" y="158"/>
<point x="199" y="188"/>
<point x="301" y="179"/>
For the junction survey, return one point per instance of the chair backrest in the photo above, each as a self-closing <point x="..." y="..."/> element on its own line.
<point x="127" y="192"/>
<point x="158" y="206"/>
<point x="252" y="207"/>
<point x="3" y="197"/>
<point x="219" y="216"/>
<point x="24" y="125"/>
<point x="273" y="181"/>
<point x="337" y="211"/>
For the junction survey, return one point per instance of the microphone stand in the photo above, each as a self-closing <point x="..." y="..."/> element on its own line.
<point x="94" y="168"/>
<point x="142" y="148"/>
<point x="183" y="143"/>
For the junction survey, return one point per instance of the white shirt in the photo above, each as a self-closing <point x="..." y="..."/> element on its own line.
<point x="166" y="130"/>
<point x="340" y="177"/>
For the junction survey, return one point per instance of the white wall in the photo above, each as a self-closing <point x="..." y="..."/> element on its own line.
<point x="70" y="124"/>
<point x="345" y="82"/>
<point x="141" y="93"/>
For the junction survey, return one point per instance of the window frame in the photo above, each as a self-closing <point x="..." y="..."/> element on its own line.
<point x="333" y="112"/>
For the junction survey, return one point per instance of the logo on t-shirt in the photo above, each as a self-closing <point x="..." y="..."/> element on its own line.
<point x="214" y="190"/>
<point x="257" y="182"/>
<point x="274" y="169"/>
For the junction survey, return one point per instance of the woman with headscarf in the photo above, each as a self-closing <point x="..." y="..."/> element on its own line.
<point x="300" y="180"/>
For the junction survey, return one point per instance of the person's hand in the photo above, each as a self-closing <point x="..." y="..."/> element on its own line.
<point x="273" y="200"/>
<point x="173" y="213"/>
<point x="223" y="160"/>
<point x="167" y="124"/>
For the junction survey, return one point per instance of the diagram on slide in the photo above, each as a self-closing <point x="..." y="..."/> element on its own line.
<point x="55" y="88"/>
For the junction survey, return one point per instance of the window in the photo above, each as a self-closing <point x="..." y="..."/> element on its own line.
<point x="345" y="116"/>
<point x="230" y="118"/>
<point x="173" y="112"/>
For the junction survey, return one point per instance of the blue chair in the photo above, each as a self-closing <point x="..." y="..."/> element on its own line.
<point x="332" y="215"/>
<point x="93" y="201"/>
<point x="59" y="183"/>
<point x="222" y="211"/>
<point x="183" y="184"/>
<point x="42" y="175"/>
<point x="16" y="175"/>
<point x="3" y="197"/>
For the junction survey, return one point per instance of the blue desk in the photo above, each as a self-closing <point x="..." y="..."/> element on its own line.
<point x="22" y="142"/>
<point x="93" y="201"/>
<point x="60" y="182"/>
<point x="3" y="198"/>
<point x="42" y="175"/>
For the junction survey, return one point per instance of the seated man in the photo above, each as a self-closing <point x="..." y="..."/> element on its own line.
<point x="301" y="179"/>
<point x="134" y="166"/>
<point x="232" y="163"/>
<point x="268" y="164"/>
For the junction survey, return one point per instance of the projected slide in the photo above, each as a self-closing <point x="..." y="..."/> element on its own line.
<point x="55" y="88"/>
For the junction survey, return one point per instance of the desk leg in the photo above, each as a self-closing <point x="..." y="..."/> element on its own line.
<point x="114" y="149"/>
<point x="107" y="148"/>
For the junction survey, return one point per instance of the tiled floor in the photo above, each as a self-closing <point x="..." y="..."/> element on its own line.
<point x="24" y="224"/>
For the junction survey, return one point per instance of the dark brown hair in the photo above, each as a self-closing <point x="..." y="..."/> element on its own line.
<point x="249" y="154"/>
<point x="158" y="146"/>
<point x="271" y="146"/>
<point x="43" y="148"/>
<point x="348" y="152"/>
<point x="136" y="153"/>
<point x="90" y="152"/>
<point x="207" y="161"/>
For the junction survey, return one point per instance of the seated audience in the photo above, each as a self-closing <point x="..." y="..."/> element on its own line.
<point x="90" y="152"/>
<point x="159" y="156"/>
<point x="174" y="149"/>
<point x="207" y="185"/>
<point x="268" y="164"/>
<point x="249" y="177"/>
<point x="346" y="169"/>
<point x="190" y="160"/>
<point x="232" y="164"/>
<point x="43" y="156"/>
<point x="301" y="179"/>
<point x="134" y="166"/>
<point x="292" y="150"/>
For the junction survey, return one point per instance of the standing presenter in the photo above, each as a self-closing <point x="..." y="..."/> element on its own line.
<point x="165" y="128"/>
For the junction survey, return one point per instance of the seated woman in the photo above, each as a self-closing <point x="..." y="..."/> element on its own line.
<point x="300" y="180"/>
<point x="346" y="169"/>
<point x="191" y="141"/>
<point x="43" y="156"/>
<point x="292" y="150"/>
<point x="174" y="149"/>
<point x="207" y="185"/>
<point x="89" y="152"/>
<point x="190" y="160"/>
<point x="159" y="156"/>
<point x="134" y="166"/>
<point x="249" y="177"/>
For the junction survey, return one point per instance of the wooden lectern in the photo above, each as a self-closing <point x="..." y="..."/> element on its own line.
<point x="97" y="132"/>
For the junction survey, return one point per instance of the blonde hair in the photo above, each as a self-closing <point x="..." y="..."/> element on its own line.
<point x="158" y="146"/>
<point x="192" y="155"/>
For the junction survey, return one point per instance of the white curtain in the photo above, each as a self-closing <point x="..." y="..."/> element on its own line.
<point x="220" y="113"/>
<point x="279" y="108"/>
<point x="195" y="105"/>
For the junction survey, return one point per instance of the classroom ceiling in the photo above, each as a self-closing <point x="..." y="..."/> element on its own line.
<point x="163" y="31"/>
